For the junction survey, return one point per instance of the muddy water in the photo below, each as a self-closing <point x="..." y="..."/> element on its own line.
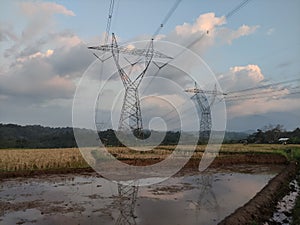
<point x="188" y="198"/>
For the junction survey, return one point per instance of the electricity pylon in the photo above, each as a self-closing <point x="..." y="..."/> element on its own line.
<point x="131" y="117"/>
<point x="204" y="108"/>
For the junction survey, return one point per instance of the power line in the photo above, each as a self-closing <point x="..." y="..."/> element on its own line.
<point x="236" y="9"/>
<point x="110" y="14"/>
<point x="265" y="94"/>
<point x="260" y="93"/>
<point x="263" y="86"/>
<point x="167" y="17"/>
<point x="238" y="99"/>
<point x="228" y="15"/>
<point x="260" y="97"/>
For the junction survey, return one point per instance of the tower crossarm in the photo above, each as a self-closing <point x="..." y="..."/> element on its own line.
<point x="197" y="91"/>
<point x="129" y="51"/>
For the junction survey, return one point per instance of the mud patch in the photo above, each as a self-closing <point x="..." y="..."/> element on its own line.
<point x="260" y="208"/>
<point x="190" y="198"/>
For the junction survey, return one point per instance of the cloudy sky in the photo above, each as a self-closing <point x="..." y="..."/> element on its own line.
<point x="43" y="52"/>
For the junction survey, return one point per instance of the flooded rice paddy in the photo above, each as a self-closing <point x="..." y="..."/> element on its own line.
<point x="187" y="198"/>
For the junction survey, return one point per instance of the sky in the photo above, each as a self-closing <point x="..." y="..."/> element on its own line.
<point x="43" y="52"/>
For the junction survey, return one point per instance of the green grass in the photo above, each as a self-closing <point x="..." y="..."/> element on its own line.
<point x="296" y="153"/>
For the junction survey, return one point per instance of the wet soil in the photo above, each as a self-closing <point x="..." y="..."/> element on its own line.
<point x="260" y="208"/>
<point x="34" y="173"/>
<point x="256" y="211"/>
<point x="191" y="197"/>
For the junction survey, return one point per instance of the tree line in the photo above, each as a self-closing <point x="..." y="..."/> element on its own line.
<point x="36" y="136"/>
<point x="271" y="134"/>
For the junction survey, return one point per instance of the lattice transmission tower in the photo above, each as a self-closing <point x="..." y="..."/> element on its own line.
<point x="131" y="116"/>
<point x="204" y="108"/>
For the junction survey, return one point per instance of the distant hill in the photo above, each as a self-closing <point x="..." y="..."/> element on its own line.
<point x="290" y="121"/>
<point x="231" y="136"/>
<point x="36" y="136"/>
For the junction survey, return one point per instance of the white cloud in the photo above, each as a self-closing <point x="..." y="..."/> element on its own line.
<point x="46" y="62"/>
<point x="264" y="105"/>
<point x="241" y="77"/>
<point x="251" y="71"/>
<point x="36" y="80"/>
<point x="41" y="64"/>
<point x="206" y="31"/>
<point x="256" y="101"/>
<point x="229" y="35"/>
<point x="204" y="23"/>
<point x="48" y="8"/>
<point x="38" y="17"/>
<point x="68" y="41"/>
<point x="46" y="75"/>
<point x="48" y="53"/>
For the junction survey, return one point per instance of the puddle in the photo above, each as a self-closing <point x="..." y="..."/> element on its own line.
<point x="189" y="198"/>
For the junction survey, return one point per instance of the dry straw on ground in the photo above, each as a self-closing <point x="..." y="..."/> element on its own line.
<point x="40" y="159"/>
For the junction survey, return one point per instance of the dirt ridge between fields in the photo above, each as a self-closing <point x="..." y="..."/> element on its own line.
<point x="260" y="208"/>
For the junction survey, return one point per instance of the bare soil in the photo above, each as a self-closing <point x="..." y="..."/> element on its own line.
<point x="256" y="211"/>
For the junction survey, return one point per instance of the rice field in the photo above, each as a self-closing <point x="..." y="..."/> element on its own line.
<point x="40" y="159"/>
<point x="43" y="159"/>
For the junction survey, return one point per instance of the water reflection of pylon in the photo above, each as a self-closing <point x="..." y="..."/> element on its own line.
<point x="127" y="196"/>
<point x="207" y="199"/>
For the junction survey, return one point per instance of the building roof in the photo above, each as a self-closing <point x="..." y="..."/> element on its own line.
<point x="283" y="139"/>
